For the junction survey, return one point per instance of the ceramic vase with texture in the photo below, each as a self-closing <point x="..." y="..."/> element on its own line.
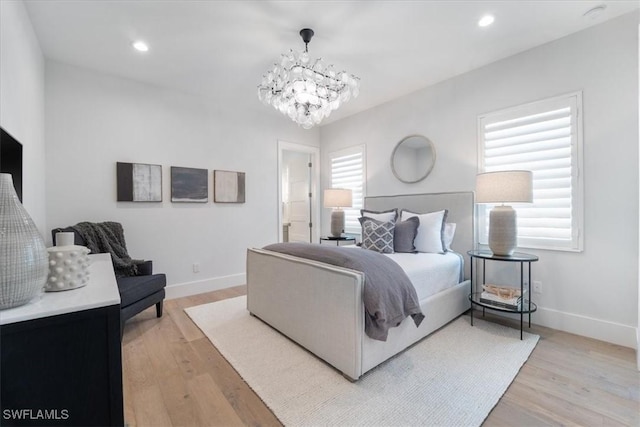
<point x="23" y="255"/>
<point x="68" y="267"/>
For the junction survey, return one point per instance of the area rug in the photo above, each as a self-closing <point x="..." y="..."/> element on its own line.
<point x="452" y="378"/>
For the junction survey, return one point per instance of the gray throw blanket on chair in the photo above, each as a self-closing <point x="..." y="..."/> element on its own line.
<point x="108" y="237"/>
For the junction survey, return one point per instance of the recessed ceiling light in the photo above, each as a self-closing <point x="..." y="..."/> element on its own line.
<point x="140" y="46"/>
<point x="595" y="12"/>
<point x="486" y="20"/>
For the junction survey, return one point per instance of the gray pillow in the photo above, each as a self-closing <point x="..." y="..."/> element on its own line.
<point x="404" y="235"/>
<point x="384" y="216"/>
<point x="377" y="235"/>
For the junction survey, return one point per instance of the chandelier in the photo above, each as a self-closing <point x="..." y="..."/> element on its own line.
<point x="306" y="91"/>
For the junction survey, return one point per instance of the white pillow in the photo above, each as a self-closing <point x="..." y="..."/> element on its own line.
<point x="430" y="232"/>
<point x="449" y="232"/>
<point x="384" y="216"/>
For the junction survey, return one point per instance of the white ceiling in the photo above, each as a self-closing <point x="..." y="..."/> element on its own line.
<point x="221" y="49"/>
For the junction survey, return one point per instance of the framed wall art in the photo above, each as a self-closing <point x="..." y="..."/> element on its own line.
<point x="228" y="187"/>
<point x="189" y="185"/>
<point x="139" y="182"/>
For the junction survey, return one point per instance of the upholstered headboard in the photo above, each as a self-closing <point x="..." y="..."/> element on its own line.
<point x="460" y="205"/>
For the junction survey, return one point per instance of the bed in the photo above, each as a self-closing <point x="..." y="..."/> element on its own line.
<point x="320" y="306"/>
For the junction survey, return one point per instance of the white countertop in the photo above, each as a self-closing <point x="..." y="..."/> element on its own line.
<point x="101" y="291"/>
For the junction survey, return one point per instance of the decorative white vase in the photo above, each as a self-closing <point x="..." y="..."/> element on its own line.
<point x="68" y="267"/>
<point x="23" y="254"/>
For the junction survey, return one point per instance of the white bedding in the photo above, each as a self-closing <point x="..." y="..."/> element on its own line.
<point x="429" y="273"/>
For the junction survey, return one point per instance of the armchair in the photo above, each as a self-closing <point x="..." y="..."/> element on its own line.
<point x="137" y="293"/>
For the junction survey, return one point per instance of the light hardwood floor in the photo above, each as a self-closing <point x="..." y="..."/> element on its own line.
<point x="173" y="376"/>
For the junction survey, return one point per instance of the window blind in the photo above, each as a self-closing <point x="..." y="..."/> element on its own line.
<point x="544" y="138"/>
<point x="347" y="171"/>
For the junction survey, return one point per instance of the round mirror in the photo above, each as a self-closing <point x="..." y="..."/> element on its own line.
<point x="413" y="158"/>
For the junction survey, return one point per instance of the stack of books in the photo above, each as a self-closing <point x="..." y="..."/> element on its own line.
<point x="501" y="296"/>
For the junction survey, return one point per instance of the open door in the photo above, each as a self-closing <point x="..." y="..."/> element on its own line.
<point x="296" y="201"/>
<point x="298" y="193"/>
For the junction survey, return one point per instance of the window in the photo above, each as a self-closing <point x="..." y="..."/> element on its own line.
<point x="544" y="137"/>
<point x="348" y="171"/>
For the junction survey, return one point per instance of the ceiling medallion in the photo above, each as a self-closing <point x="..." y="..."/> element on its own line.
<point x="306" y="91"/>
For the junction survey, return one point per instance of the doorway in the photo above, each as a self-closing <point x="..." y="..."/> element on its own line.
<point x="298" y="181"/>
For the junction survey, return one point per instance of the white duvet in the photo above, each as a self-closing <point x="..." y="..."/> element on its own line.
<point x="429" y="273"/>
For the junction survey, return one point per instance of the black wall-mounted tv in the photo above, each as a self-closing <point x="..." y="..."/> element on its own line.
<point x="11" y="159"/>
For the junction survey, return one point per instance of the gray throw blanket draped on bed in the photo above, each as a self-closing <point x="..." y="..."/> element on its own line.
<point x="108" y="237"/>
<point x="389" y="296"/>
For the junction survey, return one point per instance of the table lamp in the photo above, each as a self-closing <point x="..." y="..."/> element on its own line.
<point x="513" y="186"/>
<point x="337" y="198"/>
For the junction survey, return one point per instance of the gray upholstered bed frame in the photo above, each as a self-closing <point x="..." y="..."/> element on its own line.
<point x="320" y="307"/>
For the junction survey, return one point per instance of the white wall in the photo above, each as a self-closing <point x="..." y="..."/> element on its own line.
<point x="593" y="293"/>
<point x="95" y="120"/>
<point x="22" y="101"/>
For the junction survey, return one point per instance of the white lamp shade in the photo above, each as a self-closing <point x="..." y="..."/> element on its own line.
<point x="504" y="187"/>
<point x="337" y="198"/>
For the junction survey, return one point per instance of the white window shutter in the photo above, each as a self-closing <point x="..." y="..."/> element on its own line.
<point x="348" y="171"/>
<point x="545" y="138"/>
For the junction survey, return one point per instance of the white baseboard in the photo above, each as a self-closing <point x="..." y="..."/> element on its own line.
<point x="180" y="290"/>
<point x="638" y="348"/>
<point x="602" y="330"/>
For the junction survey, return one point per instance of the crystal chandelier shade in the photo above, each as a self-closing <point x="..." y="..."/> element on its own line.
<point x="306" y="91"/>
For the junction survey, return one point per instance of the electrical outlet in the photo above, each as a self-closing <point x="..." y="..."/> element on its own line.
<point x="537" y="286"/>
<point x="196" y="267"/>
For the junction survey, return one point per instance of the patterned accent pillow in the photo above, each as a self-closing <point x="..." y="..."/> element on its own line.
<point x="377" y="235"/>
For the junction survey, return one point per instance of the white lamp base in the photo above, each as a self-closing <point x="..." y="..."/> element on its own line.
<point x="503" y="232"/>
<point x="337" y="222"/>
